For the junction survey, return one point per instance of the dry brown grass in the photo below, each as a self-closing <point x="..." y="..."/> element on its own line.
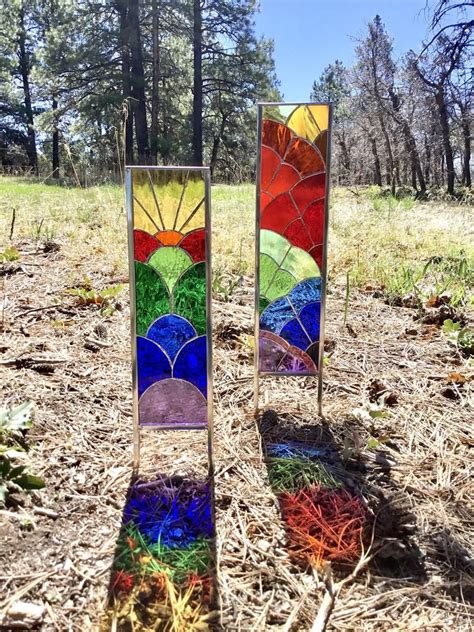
<point x="417" y="482"/>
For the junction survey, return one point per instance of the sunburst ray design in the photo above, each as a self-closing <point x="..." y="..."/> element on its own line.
<point x="167" y="201"/>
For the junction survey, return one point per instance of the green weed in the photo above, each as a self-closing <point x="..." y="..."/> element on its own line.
<point x="463" y="337"/>
<point x="9" y="254"/>
<point x="14" y="422"/>
<point x="86" y="294"/>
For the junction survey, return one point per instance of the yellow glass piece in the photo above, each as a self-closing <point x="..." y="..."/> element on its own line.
<point x="168" y="200"/>
<point x="308" y="121"/>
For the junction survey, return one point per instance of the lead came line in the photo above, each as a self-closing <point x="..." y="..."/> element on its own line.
<point x="181" y="199"/>
<point x="156" y="200"/>
<point x="192" y="215"/>
<point x="147" y="214"/>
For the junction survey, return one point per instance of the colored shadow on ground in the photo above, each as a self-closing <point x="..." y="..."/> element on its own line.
<point x="163" y="574"/>
<point x="325" y="521"/>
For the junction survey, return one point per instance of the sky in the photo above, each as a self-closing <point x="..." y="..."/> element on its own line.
<point x="310" y="34"/>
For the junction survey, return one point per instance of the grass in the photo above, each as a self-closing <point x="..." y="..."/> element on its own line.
<point x="378" y="239"/>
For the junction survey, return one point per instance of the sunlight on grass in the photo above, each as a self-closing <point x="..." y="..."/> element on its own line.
<point x="379" y="241"/>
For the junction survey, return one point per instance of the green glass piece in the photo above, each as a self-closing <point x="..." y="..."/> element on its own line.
<point x="274" y="245"/>
<point x="189" y="296"/>
<point x="268" y="268"/>
<point x="263" y="303"/>
<point x="170" y="262"/>
<point x="281" y="284"/>
<point x="151" y="296"/>
<point x="300" y="264"/>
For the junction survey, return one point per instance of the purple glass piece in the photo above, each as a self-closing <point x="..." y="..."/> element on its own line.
<point x="277" y="355"/>
<point x="172" y="402"/>
<point x="292" y="363"/>
<point x="271" y="353"/>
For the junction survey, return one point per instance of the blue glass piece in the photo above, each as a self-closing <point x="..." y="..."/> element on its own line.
<point x="308" y="291"/>
<point x="276" y="315"/>
<point x="191" y="364"/>
<point x="152" y="362"/>
<point x="310" y="317"/>
<point x="294" y="333"/>
<point x="171" y="332"/>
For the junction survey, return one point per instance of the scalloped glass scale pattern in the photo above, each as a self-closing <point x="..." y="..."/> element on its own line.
<point x="292" y="188"/>
<point x="169" y="246"/>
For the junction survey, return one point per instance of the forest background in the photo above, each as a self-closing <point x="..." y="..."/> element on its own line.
<point x="87" y="86"/>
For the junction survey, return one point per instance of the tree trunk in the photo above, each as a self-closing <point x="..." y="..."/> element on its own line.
<point x="388" y="146"/>
<point x="197" y="84"/>
<point x="448" y="150"/>
<point x="377" y="169"/>
<point x="155" y="81"/>
<point x="126" y="85"/>
<point x="417" y="171"/>
<point x="216" y="144"/>
<point x="138" y="83"/>
<point x="427" y="170"/>
<point x="466" y="134"/>
<point x="24" y="65"/>
<point x="55" y="155"/>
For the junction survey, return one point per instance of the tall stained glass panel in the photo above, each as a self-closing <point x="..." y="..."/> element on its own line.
<point x="169" y="234"/>
<point x="292" y="191"/>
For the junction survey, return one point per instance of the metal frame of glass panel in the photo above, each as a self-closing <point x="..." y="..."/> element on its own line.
<point x="137" y="427"/>
<point x="257" y="372"/>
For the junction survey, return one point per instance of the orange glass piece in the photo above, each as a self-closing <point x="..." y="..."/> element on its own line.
<point x="304" y="157"/>
<point x="169" y="237"/>
<point x="276" y="136"/>
<point x="321" y="143"/>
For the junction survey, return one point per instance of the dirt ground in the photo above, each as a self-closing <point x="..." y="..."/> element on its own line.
<point x="412" y="465"/>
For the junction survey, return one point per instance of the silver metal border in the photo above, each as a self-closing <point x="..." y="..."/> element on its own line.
<point x="210" y="383"/>
<point x="133" y="312"/>
<point x="260" y="106"/>
<point x="324" y="275"/>
<point x="256" y="353"/>
<point x="295" y="103"/>
<point x="137" y="428"/>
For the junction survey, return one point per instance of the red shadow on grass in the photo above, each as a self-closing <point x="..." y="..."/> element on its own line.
<point x="163" y="576"/>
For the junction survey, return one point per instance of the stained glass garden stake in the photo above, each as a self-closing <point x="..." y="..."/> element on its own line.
<point x="293" y="158"/>
<point x="170" y="300"/>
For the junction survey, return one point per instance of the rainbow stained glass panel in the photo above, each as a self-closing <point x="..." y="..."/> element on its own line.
<point x="169" y="232"/>
<point x="291" y="221"/>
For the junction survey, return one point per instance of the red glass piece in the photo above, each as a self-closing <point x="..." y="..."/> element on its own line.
<point x="298" y="235"/>
<point x="304" y="157"/>
<point x="195" y="244"/>
<point x="284" y="179"/>
<point x="271" y="161"/>
<point x="276" y="135"/>
<point x="265" y="199"/>
<point x="278" y="214"/>
<point x="317" y="253"/>
<point x="314" y="220"/>
<point x="143" y="245"/>
<point x="309" y="190"/>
